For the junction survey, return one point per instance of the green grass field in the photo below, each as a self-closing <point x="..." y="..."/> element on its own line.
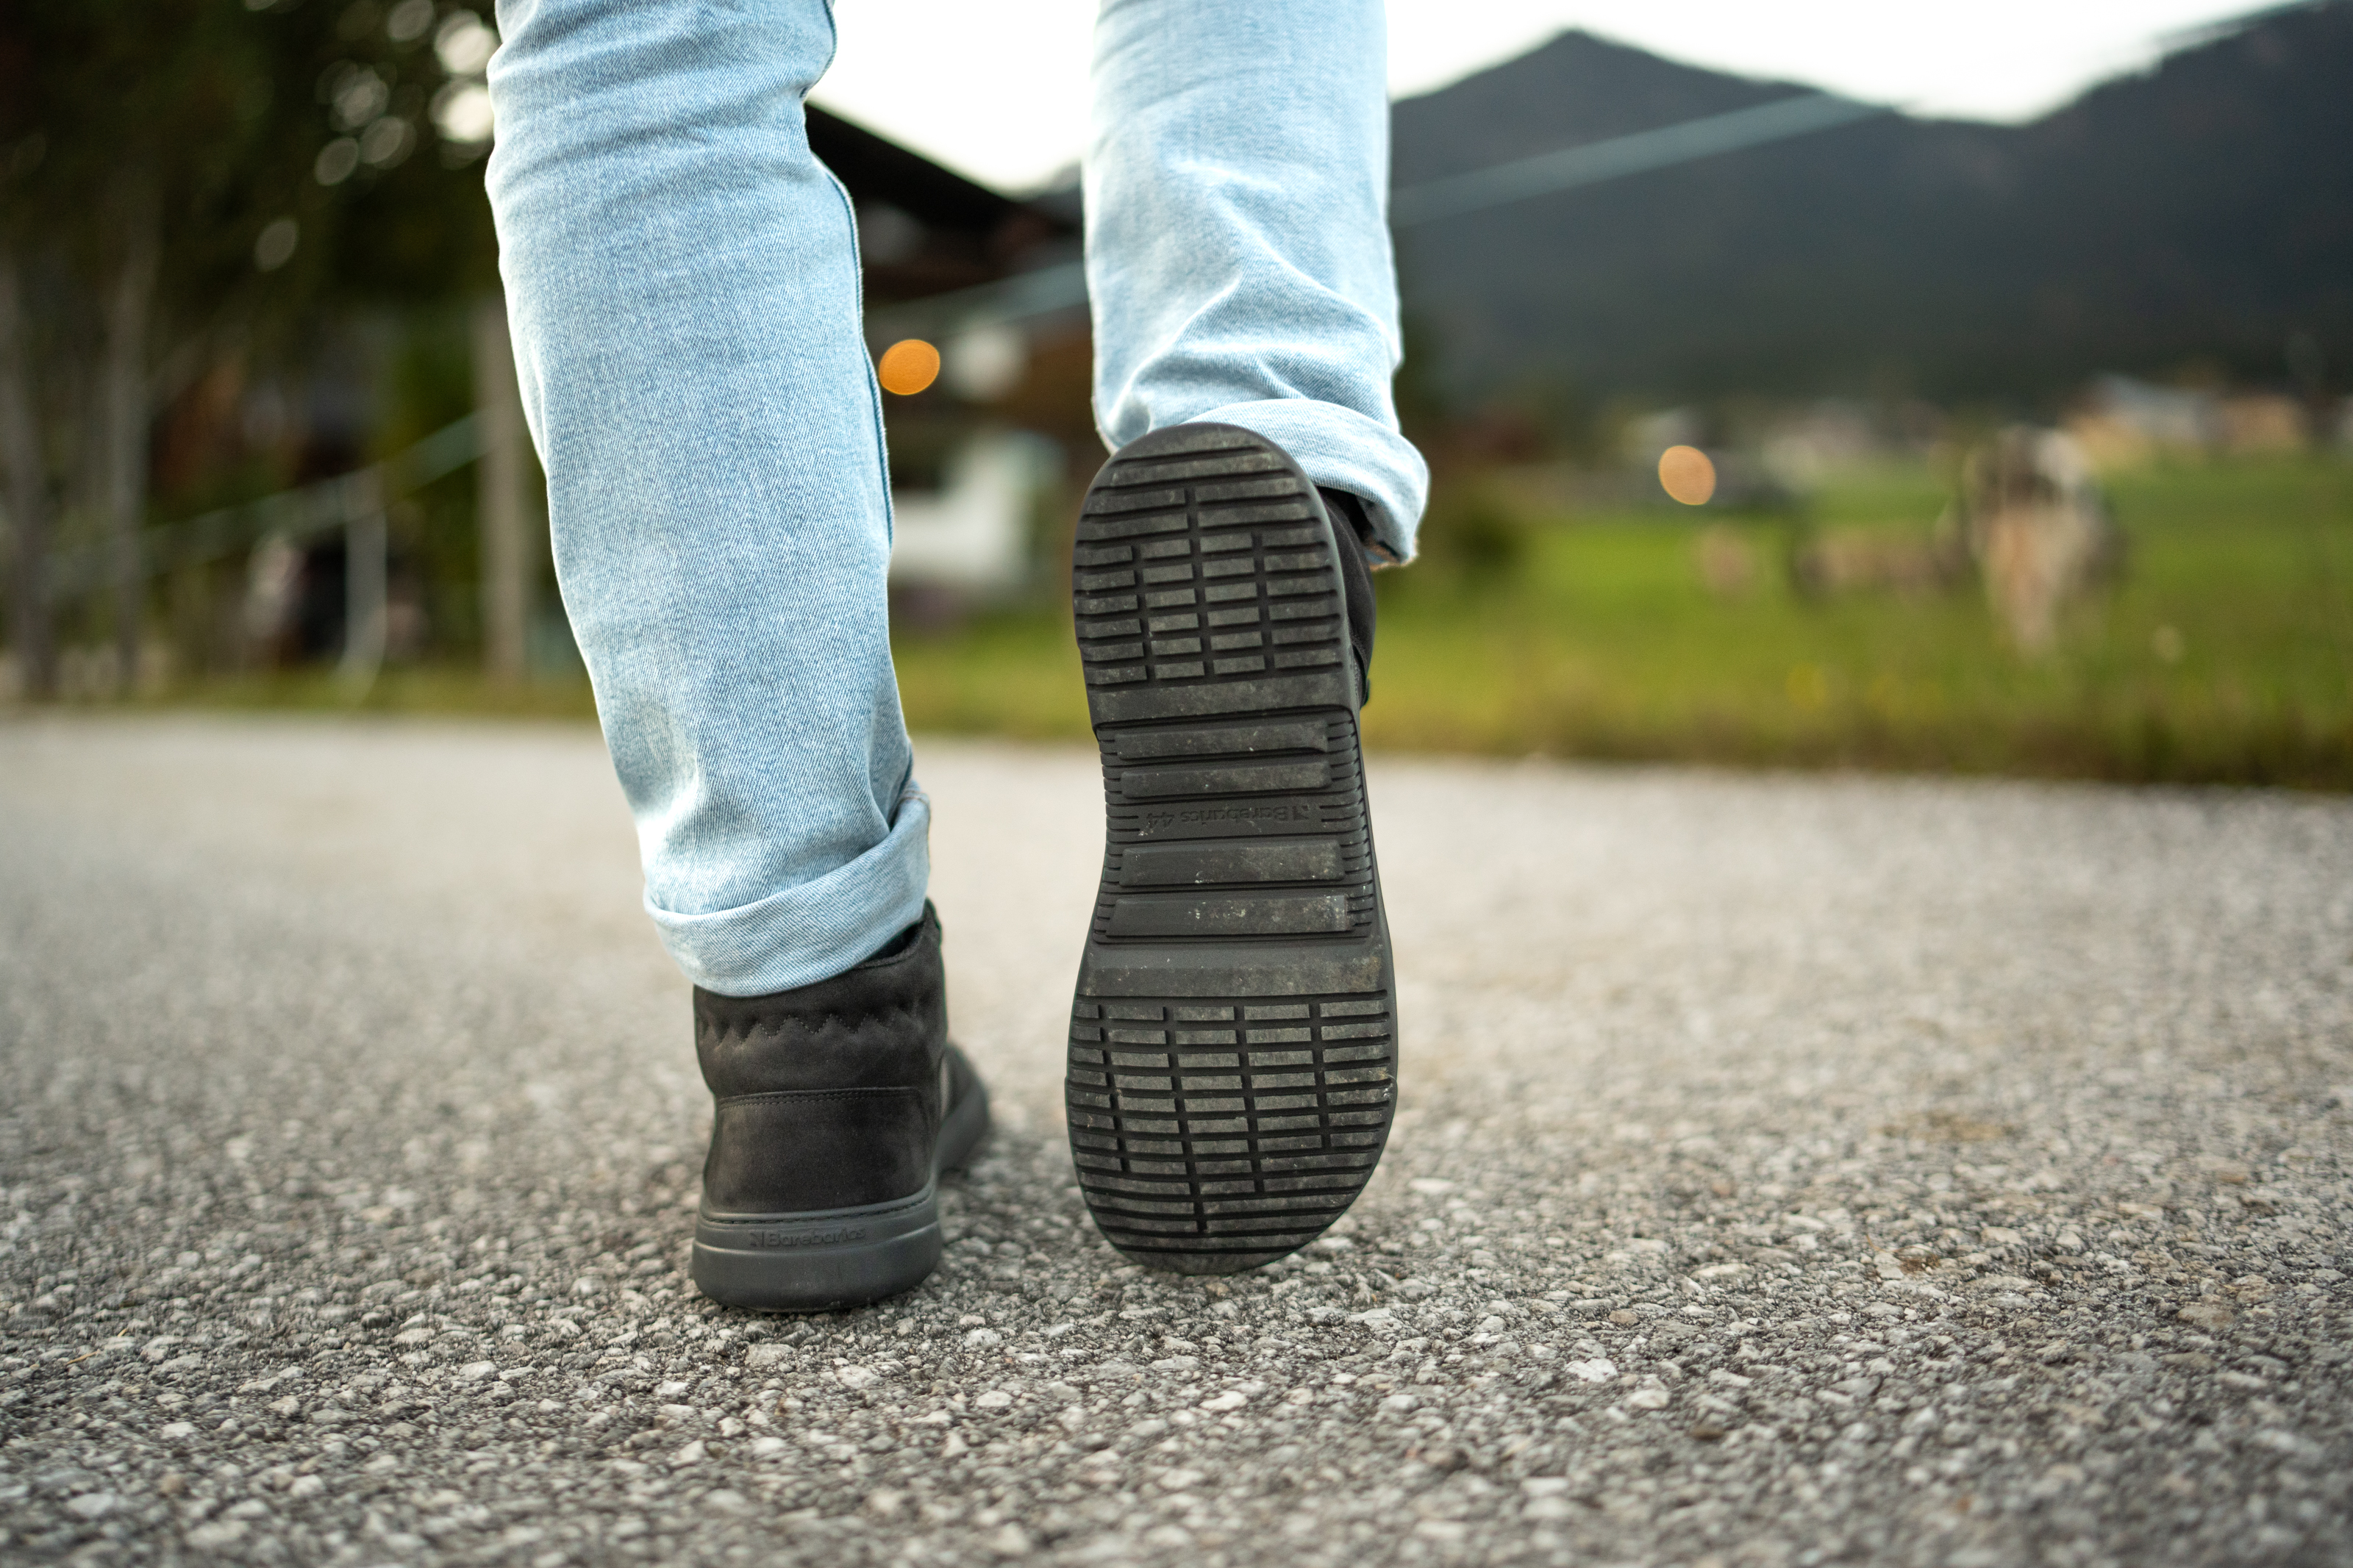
<point x="2224" y="655"/>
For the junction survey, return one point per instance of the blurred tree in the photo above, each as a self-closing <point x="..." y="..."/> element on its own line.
<point x="186" y="182"/>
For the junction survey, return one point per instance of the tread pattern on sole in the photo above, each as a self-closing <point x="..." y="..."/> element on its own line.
<point x="1181" y="591"/>
<point x="1212" y="1132"/>
<point x="1241" y="1128"/>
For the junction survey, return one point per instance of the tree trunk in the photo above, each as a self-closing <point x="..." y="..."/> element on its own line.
<point x="503" y="506"/>
<point x="28" y="493"/>
<point x="129" y="304"/>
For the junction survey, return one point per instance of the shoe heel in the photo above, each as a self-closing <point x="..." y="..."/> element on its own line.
<point x="815" y="1262"/>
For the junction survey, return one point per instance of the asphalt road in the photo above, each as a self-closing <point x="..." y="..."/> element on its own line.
<point x="1788" y="1171"/>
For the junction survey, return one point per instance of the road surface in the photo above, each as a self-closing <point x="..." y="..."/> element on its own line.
<point x="1788" y="1171"/>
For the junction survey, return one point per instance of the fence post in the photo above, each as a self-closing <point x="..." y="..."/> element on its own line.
<point x="504" y="508"/>
<point x="364" y="568"/>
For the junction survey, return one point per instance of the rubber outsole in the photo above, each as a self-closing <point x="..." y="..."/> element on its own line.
<point x="823" y="1260"/>
<point x="1232" y="1069"/>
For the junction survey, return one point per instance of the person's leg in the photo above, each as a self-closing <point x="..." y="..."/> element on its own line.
<point x="684" y="292"/>
<point x="683" y="289"/>
<point x="1232" y="1058"/>
<point x="1238" y="242"/>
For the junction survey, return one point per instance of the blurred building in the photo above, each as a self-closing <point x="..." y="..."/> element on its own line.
<point x="2122" y="422"/>
<point x="977" y="459"/>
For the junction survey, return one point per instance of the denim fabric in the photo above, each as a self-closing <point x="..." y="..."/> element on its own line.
<point x="1238" y="243"/>
<point x="682" y="286"/>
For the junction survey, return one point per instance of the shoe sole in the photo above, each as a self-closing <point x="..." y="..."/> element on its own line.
<point x="1233" y="1052"/>
<point x="822" y="1260"/>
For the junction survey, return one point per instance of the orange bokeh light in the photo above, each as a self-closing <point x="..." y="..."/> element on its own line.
<point x="908" y="367"/>
<point x="1686" y="474"/>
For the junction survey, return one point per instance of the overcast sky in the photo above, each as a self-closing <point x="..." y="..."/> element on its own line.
<point x="997" y="87"/>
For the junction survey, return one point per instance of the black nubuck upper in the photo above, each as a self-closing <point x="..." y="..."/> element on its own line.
<point x="839" y="1104"/>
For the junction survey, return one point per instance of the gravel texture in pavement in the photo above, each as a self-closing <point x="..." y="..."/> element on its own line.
<point x="1788" y="1171"/>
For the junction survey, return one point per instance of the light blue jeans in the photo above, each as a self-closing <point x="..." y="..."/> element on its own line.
<point x="682" y="286"/>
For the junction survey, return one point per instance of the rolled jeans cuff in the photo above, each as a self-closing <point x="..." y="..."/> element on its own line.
<point x="1344" y="450"/>
<point x="816" y="929"/>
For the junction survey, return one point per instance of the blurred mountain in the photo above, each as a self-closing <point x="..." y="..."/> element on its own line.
<point x="2200" y="212"/>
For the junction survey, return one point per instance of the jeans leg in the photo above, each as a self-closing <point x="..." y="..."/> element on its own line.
<point x="1238" y="242"/>
<point x="683" y="287"/>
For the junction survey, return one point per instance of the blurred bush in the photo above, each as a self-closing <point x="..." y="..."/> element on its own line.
<point x="1473" y="535"/>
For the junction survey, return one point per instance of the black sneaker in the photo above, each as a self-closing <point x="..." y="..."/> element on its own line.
<point x="1233" y="1045"/>
<point x="840" y="1105"/>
